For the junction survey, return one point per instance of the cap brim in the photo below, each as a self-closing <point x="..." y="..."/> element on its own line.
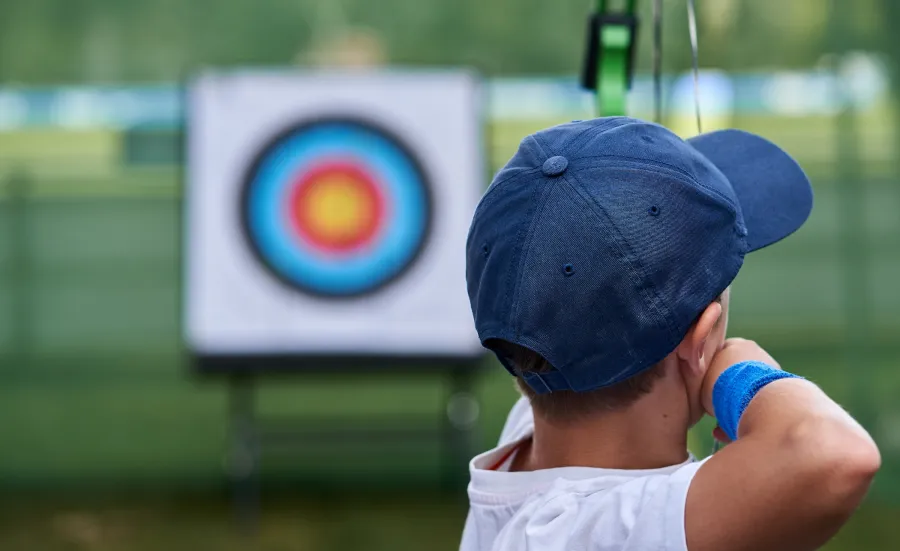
<point x="773" y="191"/>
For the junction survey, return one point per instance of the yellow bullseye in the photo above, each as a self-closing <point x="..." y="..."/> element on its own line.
<point x="337" y="209"/>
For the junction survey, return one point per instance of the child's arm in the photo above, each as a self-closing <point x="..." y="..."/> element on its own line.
<point x="800" y="467"/>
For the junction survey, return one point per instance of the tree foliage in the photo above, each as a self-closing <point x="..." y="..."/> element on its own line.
<point x="52" y="41"/>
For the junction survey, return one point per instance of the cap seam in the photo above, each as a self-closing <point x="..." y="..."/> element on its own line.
<point x="488" y="195"/>
<point x="675" y="169"/>
<point x="526" y="253"/>
<point x="634" y="262"/>
<point x="541" y="145"/>
<point x="487" y="199"/>
<point x="599" y="127"/>
<point x="636" y="160"/>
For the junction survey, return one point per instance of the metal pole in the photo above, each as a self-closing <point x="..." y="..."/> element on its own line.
<point x="854" y="254"/>
<point x="20" y="274"/>
<point x="244" y="460"/>
<point x="460" y="421"/>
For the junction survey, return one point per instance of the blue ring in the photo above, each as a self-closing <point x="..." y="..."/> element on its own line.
<point x="394" y="169"/>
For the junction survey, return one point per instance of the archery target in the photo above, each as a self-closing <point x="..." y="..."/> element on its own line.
<point x="336" y="207"/>
<point x="326" y="215"/>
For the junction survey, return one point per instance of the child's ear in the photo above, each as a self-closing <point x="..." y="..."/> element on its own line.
<point x="690" y="350"/>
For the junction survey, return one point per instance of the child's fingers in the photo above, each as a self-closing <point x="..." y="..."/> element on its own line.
<point x="720" y="435"/>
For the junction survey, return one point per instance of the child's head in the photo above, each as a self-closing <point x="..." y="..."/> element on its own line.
<point x="599" y="259"/>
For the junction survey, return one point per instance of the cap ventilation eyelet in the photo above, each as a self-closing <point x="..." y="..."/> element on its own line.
<point x="654" y="210"/>
<point x="568" y="270"/>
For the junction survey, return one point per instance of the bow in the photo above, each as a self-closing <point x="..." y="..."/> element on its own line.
<point x="609" y="56"/>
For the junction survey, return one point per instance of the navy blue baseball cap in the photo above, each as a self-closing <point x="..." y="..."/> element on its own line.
<point x="601" y="241"/>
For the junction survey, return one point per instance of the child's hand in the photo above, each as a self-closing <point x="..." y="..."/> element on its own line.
<point x="732" y="352"/>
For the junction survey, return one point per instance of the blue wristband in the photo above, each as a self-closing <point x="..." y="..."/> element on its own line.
<point x="736" y="386"/>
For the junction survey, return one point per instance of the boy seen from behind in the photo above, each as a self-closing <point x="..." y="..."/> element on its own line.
<point x="598" y="269"/>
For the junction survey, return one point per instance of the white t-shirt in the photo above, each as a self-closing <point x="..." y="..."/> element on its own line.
<point x="572" y="508"/>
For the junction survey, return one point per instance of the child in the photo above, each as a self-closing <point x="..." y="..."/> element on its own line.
<point x="598" y="268"/>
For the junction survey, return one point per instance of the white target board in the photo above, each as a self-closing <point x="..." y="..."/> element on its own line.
<point x="326" y="214"/>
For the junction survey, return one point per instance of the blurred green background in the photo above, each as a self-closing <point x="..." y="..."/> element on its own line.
<point x="106" y="439"/>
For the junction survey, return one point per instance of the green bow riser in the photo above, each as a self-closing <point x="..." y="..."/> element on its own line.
<point x="609" y="58"/>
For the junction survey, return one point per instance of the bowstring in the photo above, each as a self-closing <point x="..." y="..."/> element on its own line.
<point x="695" y="58"/>
<point x="657" y="61"/>
<point x="692" y="27"/>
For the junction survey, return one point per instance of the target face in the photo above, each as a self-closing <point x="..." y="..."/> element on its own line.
<point x="336" y="207"/>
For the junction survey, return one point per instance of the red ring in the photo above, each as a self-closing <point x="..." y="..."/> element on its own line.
<point x="309" y="180"/>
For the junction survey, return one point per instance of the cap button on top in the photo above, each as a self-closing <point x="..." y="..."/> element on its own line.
<point x="554" y="166"/>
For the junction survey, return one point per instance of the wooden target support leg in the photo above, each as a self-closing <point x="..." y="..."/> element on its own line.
<point x="243" y="460"/>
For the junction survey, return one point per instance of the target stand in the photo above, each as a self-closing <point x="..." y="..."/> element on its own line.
<point x="326" y="216"/>
<point x="251" y="436"/>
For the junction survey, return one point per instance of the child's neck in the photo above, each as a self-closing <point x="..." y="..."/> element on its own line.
<point x="642" y="436"/>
